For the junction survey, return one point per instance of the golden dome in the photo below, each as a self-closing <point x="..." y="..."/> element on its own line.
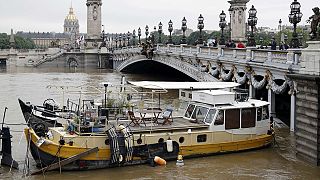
<point x="71" y="16"/>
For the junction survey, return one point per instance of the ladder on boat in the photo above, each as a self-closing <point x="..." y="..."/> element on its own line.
<point x="120" y="146"/>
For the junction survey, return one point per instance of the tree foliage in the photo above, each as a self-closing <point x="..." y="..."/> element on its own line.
<point x="20" y="42"/>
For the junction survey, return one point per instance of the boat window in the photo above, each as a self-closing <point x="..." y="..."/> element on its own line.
<point x="232" y="119"/>
<point x="199" y="113"/>
<point x="248" y="117"/>
<point x="189" y="111"/>
<point x="202" y="138"/>
<point x="259" y="113"/>
<point x="210" y="116"/>
<point x="220" y="118"/>
<point x="265" y="112"/>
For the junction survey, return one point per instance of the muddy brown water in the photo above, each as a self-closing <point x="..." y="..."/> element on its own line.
<point x="276" y="162"/>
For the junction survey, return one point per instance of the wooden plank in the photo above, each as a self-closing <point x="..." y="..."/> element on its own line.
<point x="66" y="161"/>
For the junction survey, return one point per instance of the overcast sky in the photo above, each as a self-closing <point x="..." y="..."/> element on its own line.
<point x="124" y="15"/>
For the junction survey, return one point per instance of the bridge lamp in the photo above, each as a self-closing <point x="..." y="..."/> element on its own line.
<point x="120" y="39"/>
<point x="252" y="22"/>
<point x="184" y="28"/>
<point x="147" y="32"/>
<point x="124" y="39"/>
<point x="160" y="32"/>
<point x="134" y="37"/>
<point x="222" y="25"/>
<point x="200" y="27"/>
<point x="294" y="18"/>
<point x="139" y="35"/>
<point x="128" y="37"/>
<point x="170" y="29"/>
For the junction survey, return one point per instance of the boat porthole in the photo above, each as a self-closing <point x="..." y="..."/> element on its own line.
<point x="139" y="141"/>
<point x="107" y="142"/>
<point x="161" y="140"/>
<point x="181" y="140"/>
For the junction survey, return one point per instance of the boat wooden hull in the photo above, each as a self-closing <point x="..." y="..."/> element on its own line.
<point x="50" y="152"/>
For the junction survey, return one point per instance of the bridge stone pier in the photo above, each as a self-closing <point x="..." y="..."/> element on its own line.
<point x="273" y="73"/>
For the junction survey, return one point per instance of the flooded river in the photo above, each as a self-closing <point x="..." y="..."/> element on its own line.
<point x="277" y="162"/>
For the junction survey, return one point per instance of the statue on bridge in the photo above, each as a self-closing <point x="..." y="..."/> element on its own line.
<point x="147" y="50"/>
<point x="315" y="20"/>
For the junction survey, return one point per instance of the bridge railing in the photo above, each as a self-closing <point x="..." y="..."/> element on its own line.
<point x="249" y="54"/>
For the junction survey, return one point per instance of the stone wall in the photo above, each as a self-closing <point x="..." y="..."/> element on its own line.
<point x="307" y="117"/>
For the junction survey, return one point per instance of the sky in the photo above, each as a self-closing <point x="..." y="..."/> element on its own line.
<point x="126" y="15"/>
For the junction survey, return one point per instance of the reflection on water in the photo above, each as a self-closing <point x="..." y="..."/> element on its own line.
<point x="278" y="162"/>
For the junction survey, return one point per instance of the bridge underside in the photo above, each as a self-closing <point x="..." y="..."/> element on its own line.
<point x="157" y="70"/>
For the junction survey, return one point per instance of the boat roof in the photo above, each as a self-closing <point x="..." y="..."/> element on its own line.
<point x="183" y="85"/>
<point x="216" y="92"/>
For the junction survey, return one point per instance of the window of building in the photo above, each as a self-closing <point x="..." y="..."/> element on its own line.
<point x="248" y="117"/>
<point x="210" y="116"/>
<point x="183" y="94"/>
<point x="232" y="118"/>
<point x="220" y="118"/>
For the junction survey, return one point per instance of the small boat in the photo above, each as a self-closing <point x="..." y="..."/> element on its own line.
<point x="41" y="117"/>
<point x="216" y="120"/>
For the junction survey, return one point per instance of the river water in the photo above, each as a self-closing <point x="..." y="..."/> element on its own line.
<point x="277" y="162"/>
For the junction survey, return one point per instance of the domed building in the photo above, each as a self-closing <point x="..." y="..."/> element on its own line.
<point x="71" y="23"/>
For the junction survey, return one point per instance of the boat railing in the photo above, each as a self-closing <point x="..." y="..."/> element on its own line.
<point x="241" y="95"/>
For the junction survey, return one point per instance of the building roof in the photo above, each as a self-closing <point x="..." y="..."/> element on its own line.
<point x="49" y="35"/>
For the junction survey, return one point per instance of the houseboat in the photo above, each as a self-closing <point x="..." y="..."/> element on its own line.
<point x="215" y="121"/>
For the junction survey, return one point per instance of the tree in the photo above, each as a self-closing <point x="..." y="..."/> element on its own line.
<point x="4" y="41"/>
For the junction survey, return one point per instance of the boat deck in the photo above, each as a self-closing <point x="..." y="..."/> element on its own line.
<point x="178" y="123"/>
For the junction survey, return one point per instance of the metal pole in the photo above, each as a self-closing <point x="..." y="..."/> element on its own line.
<point x="4" y="116"/>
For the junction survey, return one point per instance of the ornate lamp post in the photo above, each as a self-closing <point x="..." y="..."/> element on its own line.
<point x="116" y="39"/>
<point x="294" y="18"/>
<point x="160" y="32"/>
<point x="153" y="35"/>
<point x="139" y="35"/>
<point x="222" y="25"/>
<point x="184" y="28"/>
<point x="280" y="30"/>
<point x="147" y="33"/>
<point x="230" y="12"/>
<point x="124" y="39"/>
<point x="128" y="37"/>
<point x="200" y="27"/>
<point x="134" y="37"/>
<point x="120" y="39"/>
<point x="170" y="29"/>
<point x="252" y="21"/>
